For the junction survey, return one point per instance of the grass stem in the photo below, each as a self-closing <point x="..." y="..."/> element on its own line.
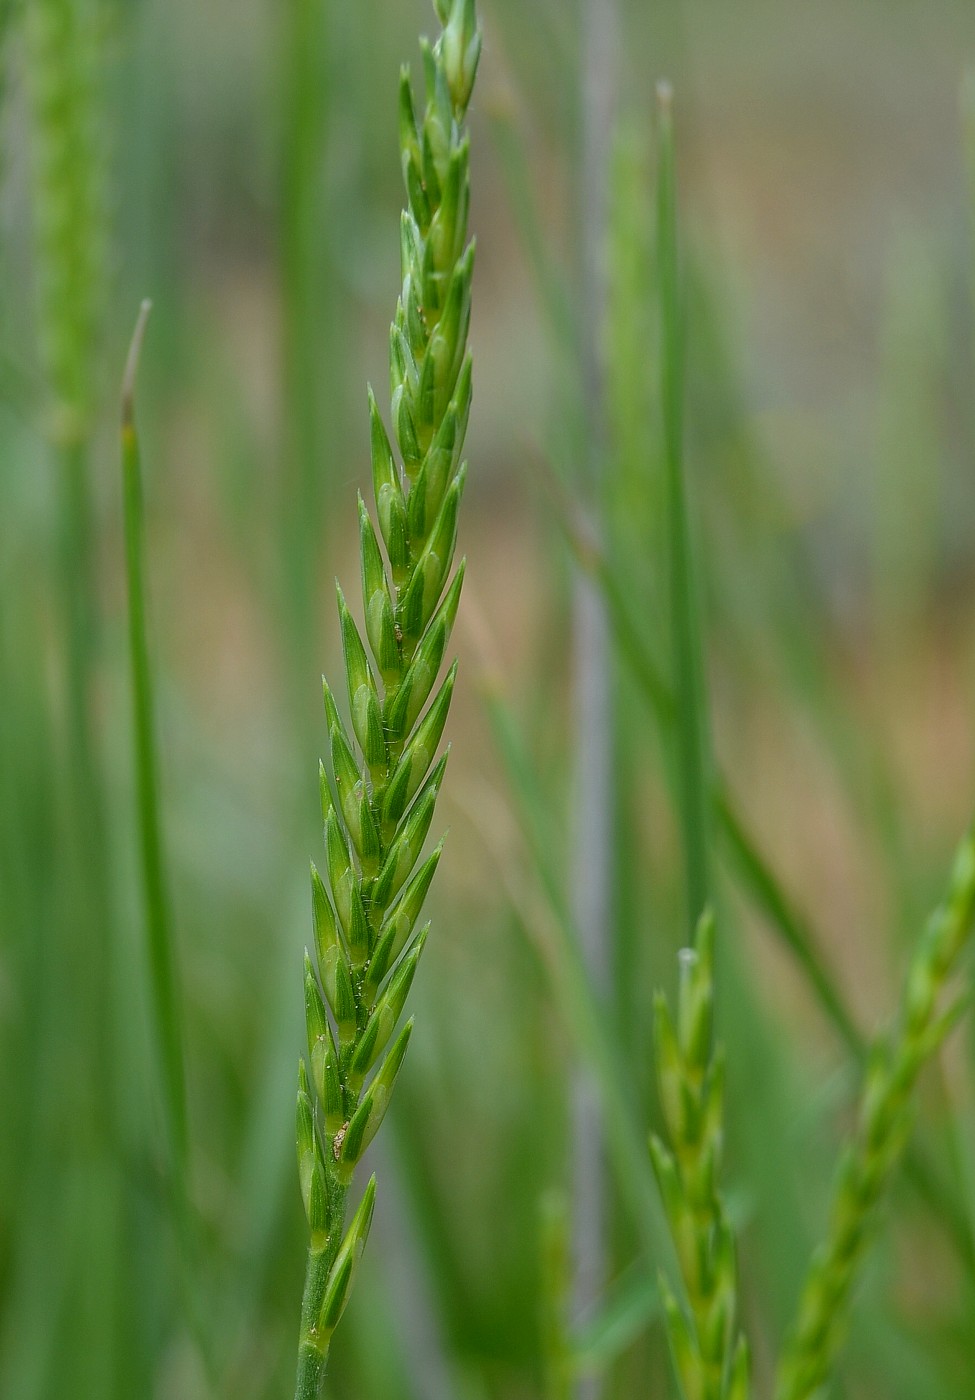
<point x="159" y="929"/>
<point x="686" y="640"/>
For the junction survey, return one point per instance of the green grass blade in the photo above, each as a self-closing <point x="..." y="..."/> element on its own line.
<point x="770" y="897"/>
<point x="159" y="930"/>
<point x="164" y="993"/>
<point x="686" y="640"/>
<point x="306" y="290"/>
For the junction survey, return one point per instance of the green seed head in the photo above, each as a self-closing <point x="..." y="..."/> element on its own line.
<point x="690" y="1076"/>
<point x="380" y="786"/>
<point x="883" y="1125"/>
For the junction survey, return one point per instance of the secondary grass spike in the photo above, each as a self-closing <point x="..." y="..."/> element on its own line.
<point x="710" y="1353"/>
<point x="881" y="1135"/>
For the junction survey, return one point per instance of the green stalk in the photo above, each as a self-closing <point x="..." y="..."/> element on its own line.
<point x="162" y="957"/>
<point x="305" y="274"/>
<point x="633" y="531"/>
<point x="163" y="968"/>
<point x="312" y="1358"/>
<point x="881" y="1135"/>
<point x="33" y="1126"/>
<point x="380" y="791"/>
<point x="686" y="641"/>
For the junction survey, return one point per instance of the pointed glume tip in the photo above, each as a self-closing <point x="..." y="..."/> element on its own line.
<point x="132" y="362"/>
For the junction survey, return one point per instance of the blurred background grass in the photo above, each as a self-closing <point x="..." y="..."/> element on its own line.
<point x="829" y="275"/>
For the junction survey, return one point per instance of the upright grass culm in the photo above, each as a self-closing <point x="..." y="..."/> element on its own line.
<point x="691" y="717"/>
<point x="163" y="964"/>
<point x="710" y="1354"/>
<point x="378" y="802"/>
<point x="156" y="895"/>
<point x="880" y="1138"/>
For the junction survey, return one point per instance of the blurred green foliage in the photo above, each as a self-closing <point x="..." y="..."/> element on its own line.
<point x="247" y="154"/>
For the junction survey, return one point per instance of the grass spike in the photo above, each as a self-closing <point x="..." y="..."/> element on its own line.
<point x="880" y="1138"/>
<point x="709" y="1354"/>
<point x="386" y="788"/>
